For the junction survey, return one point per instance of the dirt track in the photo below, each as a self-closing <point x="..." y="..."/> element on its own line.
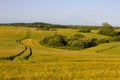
<point x="13" y="57"/>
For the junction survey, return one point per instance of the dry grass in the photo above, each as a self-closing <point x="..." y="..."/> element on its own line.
<point x="56" y="64"/>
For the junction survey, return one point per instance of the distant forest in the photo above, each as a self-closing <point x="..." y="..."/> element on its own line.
<point x="77" y="41"/>
<point x="47" y="26"/>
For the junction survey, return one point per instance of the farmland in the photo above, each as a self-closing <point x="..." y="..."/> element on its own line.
<point x="100" y="62"/>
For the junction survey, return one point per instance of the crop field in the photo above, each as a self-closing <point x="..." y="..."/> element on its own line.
<point x="23" y="58"/>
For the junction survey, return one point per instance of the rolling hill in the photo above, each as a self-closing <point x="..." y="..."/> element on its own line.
<point x="95" y="63"/>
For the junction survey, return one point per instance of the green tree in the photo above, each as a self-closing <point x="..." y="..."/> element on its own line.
<point x="54" y="40"/>
<point x="107" y="29"/>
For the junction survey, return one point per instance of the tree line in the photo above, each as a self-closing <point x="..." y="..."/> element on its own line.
<point x="77" y="41"/>
<point x="47" y="26"/>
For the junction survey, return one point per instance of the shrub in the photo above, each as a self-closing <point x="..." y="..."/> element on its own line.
<point x="77" y="41"/>
<point x="54" y="41"/>
<point x="116" y="38"/>
<point x="103" y="41"/>
<point x="82" y="43"/>
<point x="85" y="30"/>
<point x="108" y="30"/>
<point x="93" y="42"/>
<point x="76" y="44"/>
<point x="75" y="36"/>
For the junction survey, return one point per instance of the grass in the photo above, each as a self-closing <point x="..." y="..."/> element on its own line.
<point x="97" y="63"/>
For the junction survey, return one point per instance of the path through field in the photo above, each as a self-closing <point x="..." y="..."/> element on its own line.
<point x="23" y="58"/>
<point x="26" y="47"/>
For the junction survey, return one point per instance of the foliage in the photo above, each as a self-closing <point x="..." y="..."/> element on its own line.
<point x="107" y="29"/>
<point x="54" y="40"/>
<point x="81" y="43"/>
<point x="48" y="26"/>
<point x="85" y="30"/>
<point x="54" y="64"/>
<point x="115" y="38"/>
<point x="102" y="41"/>
<point x="76" y="41"/>
<point x="75" y="37"/>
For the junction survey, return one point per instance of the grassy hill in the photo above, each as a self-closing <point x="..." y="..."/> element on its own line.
<point x="96" y="63"/>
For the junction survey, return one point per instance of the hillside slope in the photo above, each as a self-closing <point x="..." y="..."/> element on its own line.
<point x="96" y="63"/>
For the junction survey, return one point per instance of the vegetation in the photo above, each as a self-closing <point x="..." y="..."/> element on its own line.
<point x="81" y="44"/>
<point x="76" y="41"/>
<point x="107" y="29"/>
<point x="100" y="62"/>
<point x="48" y="26"/>
<point x="114" y="39"/>
<point x="54" y="41"/>
<point x="103" y="41"/>
<point x="85" y="30"/>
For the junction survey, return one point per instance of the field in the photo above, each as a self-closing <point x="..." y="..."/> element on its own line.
<point x="37" y="62"/>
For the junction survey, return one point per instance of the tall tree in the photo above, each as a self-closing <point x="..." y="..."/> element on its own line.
<point x="107" y="29"/>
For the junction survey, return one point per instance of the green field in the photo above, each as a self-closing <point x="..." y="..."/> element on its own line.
<point x="101" y="62"/>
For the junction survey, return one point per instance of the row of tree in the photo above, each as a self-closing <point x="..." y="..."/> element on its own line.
<point x="47" y="26"/>
<point x="76" y="41"/>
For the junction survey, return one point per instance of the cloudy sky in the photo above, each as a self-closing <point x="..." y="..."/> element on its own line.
<point x="72" y="12"/>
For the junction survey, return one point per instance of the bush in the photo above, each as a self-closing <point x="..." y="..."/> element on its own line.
<point x="93" y="42"/>
<point x="76" y="44"/>
<point x="77" y="41"/>
<point x="54" y="41"/>
<point x="85" y="30"/>
<point x="75" y="36"/>
<point x="108" y="30"/>
<point x="116" y="38"/>
<point x="103" y="41"/>
<point x="82" y="43"/>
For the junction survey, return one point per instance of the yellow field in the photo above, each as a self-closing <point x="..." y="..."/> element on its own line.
<point x="101" y="62"/>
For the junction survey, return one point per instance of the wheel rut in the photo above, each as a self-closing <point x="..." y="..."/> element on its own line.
<point x="26" y="48"/>
<point x="30" y="54"/>
<point x="15" y="56"/>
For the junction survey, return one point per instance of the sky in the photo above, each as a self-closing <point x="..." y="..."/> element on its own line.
<point x="67" y="12"/>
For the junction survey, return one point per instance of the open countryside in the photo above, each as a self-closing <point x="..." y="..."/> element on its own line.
<point x="23" y="57"/>
<point x="59" y="39"/>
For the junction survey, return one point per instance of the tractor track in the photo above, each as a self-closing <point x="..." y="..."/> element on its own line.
<point x="19" y="54"/>
<point x="30" y="54"/>
<point x="12" y="58"/>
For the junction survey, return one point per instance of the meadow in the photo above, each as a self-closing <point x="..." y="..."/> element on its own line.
<point x="101" y="62"/>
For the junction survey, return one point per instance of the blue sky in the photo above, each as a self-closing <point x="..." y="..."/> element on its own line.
<point x="72" y="12"/>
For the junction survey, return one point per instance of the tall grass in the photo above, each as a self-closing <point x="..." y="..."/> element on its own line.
<point x="57" y="64"/>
